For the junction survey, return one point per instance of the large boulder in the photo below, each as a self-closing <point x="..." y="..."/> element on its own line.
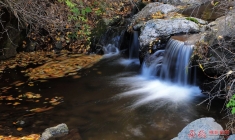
<point x="184" y="2"/>
<point x="149" y="10"/>
<point x="201" y="129"/>
<point x="164" y="27"/>
<point x="223" y="27"/>
<point x="219" y="39"/>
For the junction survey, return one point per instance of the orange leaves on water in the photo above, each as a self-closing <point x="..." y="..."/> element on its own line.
<point x="16" y="103"/>
<point x="19" y="129"/>
<point x="37" y="110"/>
<point x="64" y="65"/>
<point x="30" y="95"/>
<point x="30" y="84"/>
<point x="29" y="137"/>
<point x="56" y="100"/>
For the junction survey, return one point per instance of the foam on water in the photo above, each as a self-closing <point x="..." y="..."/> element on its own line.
<point x="157" y="92"/>
<point x="128" y="62"/>
<point x="110" y="50"/>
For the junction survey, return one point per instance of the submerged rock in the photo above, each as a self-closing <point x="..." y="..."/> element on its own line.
<point x="200" y="129"/>
<point x="73" y="135"/>
<point x="57" y="131"/>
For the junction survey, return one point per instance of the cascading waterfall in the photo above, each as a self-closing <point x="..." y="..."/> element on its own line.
<point x="152" y="66"/>
<point x="134" y="48"/>
<point x="110" y="49"/>
<point x="175" y="66"/>
<point x="112" y="40"/>
<point x="164" y="79"/>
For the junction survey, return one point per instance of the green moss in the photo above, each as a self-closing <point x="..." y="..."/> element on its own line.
<point x="192" y="19"/>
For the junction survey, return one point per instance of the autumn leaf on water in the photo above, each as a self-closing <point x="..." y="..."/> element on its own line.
<point x="37" y="110"/>
<point x="29" y="137"/>
<point x="16" y="103"/>
<point x="19" y="129"/>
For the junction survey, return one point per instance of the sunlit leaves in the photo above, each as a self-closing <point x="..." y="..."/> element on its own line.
<point x="231" y="104"/>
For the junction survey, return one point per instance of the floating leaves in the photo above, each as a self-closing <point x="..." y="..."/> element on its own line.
<point x="16" y="103"/>
<point x="62" y="66"/>
<point x="29" y="137"/>
<point x="37" y="110"/>
<point x="19" y="129"/>
<point x="30" y="95"/>
<point x="56" y="100"/>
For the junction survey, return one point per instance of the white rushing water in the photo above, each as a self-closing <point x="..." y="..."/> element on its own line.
<point x="156" y="93"/>
<point x="164" y="80"/>
<point x="110" y="50"/>
<point x="134" y="48"/>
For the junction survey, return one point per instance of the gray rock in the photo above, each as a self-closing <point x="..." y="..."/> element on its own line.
<point x="184" y="2"/>
<point x="232" y="137"/>
<point x="151" y="9"/>
<point x="220" y="32"/>
<point x="160" y="27"/>
<point x="223" y="26"/>
<point x="57" y="131"/>
<point x="203" y="125"/>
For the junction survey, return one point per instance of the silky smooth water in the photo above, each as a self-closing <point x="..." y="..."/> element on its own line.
<point x="111" y="101"/>
<point x="134" y="47"/>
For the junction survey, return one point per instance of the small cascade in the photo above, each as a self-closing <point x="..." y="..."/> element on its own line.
<point x="111" y="40"/>
<point x="110" y="49"/>
<point x="165" y="80"/>
<point x="134" y="48"/>
<point x="174" y="66"/>
<point x="152" y="66"/>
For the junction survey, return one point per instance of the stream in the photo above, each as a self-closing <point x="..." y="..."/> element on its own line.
<point x="111" y="101"/>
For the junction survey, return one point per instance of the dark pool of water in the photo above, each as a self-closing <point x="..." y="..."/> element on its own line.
<point x="92" y="107"/>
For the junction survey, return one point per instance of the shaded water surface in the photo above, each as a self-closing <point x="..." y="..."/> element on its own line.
<point x="99" y="107"/>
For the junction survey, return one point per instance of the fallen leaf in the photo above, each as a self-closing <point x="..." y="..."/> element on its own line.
<point x="41" y="109"/>
<point x="16" y="103"/>
<point x="19" y="129"/>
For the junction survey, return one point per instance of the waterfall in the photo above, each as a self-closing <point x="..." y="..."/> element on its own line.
<point x="134" y="48"/>
<point x="165" y="79"/>
<point x="152" y="66"/>
<point x="110" y="49"/>
<point x="173" y="65"/>
<point x="112" y="40"/>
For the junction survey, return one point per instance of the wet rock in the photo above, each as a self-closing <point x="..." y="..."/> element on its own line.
<point x="200" y="128"/>
<point x="9" y="40"/>
<point x="184" y="2"/>
<point x="164" y="27"/>
<point x="20" y="123"/>
<point x="57" y="131"/>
